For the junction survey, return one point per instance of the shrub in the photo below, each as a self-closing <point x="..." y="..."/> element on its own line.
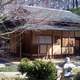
<point x="23" y="60"/>
<point x="77" y="76"/>
<point x="39" y="70"/>
<point x="23" y="65"/>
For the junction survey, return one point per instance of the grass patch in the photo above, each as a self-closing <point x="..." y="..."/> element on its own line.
<point x="76" y="10"/>
<point x="12" y="68"/>
<point x="17" y="78"/>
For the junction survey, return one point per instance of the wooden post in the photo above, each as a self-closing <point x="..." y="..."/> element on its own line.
<point x="68" y="42"/>
<point x="31" y="52"/>
<point x="52" y="44"/>
<point x="61" y="41"/>
<point x="38" y="49"/>
<point x="8" y="46"/>
<point x="75" y="42"/>
<point x="20" y="47"/>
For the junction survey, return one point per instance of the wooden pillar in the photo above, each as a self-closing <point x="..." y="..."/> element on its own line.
<point x="68" y="41"/>
<point x="38" y="49"/>
<point x="20" y="47"/>
<point x="8" y="45"/>
<point x="52" y="45"/>
<point x="61" y="41"/>
<point x="31" y="52"/>
<point x="47" y="57"/>
<point x="75" y="42"/>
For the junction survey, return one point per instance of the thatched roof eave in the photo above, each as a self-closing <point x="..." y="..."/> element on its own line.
<point x="47" y="27"/>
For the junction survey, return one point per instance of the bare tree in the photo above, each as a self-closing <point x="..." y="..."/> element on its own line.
<point x="3" y="3"/>
<point x="68" y="4"/>
<point x="73" y="3"/>
<point x="76" y="3"/>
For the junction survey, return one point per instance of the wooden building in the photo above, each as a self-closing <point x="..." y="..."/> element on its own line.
<point x="48" y="33"/>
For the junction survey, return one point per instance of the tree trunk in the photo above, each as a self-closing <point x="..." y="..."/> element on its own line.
<point x="73" y="3"/>
<point x="67" y="4"/>
<point x="76" y="3"/>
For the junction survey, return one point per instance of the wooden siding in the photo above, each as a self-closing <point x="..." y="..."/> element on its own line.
<point x="13" y="43"/>
<point x="31" y="47"/>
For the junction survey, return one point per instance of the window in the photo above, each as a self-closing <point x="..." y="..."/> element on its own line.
<point x="68" y="34"/>
<point x="56" y="45"/>
<point x="66" y="42"/>
<point x="46" y="49"/>
<point x="56" y="40"/>
<point x="44" y="39"/>
<point x="68" y="45"/>
<point x="43" y="49"/>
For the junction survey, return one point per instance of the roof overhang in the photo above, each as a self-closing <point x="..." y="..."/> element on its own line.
<point x="47" y="27"/>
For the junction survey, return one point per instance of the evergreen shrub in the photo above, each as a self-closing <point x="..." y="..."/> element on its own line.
<point x="38" y="70"/>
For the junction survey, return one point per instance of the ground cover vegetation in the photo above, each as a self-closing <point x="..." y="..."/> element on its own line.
<point x="76" y="10"/>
